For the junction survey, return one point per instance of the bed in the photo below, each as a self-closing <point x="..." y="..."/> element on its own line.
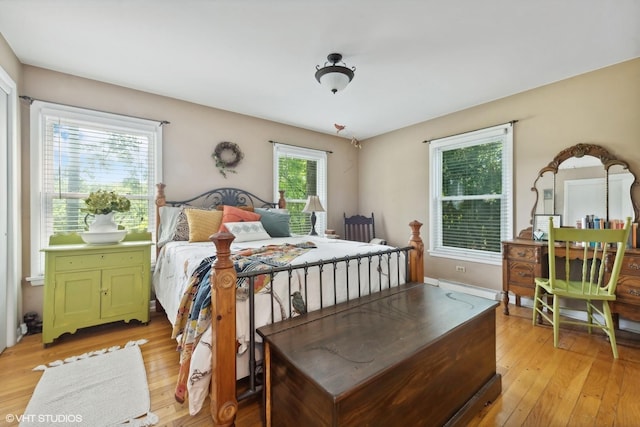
<point x="256" y="273"/>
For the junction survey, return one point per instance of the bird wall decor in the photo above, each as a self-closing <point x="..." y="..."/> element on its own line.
<point x="354" y="140"/>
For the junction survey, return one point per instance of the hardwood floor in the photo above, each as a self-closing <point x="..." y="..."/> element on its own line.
<point x="578" y="385"/>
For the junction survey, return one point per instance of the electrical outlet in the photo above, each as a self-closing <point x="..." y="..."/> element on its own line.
<point x="460" y="268"/>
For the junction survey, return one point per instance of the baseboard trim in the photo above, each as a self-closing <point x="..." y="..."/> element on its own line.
<point x="465" y="288"/>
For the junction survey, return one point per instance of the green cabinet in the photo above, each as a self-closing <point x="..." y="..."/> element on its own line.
<point x="88" y="285"/>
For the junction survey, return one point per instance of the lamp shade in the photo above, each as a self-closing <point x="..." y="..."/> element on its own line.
<point x="335" y="78"/>
<point x="313" y="205"/>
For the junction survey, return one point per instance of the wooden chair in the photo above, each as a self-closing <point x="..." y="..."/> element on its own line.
<point x="359" y="228"/>
<point x="599" y="254"/>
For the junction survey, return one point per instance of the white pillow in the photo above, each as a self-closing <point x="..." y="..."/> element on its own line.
<point x="168" y="223"/>
<point x="247" y="231"/>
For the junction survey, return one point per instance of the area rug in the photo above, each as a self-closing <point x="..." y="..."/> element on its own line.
<point x="103" y="388"/>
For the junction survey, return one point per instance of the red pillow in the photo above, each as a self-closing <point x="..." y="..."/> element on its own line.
<point x="233" y="214"/>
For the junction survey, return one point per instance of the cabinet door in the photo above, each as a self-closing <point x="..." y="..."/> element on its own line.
<point x="122" y="292"/>
<point x="76" y="299"/>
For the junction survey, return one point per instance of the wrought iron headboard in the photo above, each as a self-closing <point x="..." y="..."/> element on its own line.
<point x="224" y="196"/>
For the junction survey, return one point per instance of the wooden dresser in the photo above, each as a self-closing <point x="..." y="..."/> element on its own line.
<point x="524" y="260"/>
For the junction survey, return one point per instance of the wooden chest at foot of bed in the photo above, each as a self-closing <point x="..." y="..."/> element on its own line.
<point x="415" y="356"/>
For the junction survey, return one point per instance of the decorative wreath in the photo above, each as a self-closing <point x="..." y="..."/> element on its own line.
<point x="227" y="155"/>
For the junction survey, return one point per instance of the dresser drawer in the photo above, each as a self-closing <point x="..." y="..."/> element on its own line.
<point x="523" y="253"/>
<point x="521" y="272"/>
<point x="90" y="261"/>
<point x="628" y="289"/>
<point x="631" y="265"/>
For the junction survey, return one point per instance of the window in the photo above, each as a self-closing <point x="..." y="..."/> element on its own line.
<point x="76" y="151"/>
<point x="301" y="172"/>
<point x="471" y="194"/>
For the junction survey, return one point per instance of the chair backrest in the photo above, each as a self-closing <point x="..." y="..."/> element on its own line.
<point x="591" y="249"/>
<point x="359" y="228"/>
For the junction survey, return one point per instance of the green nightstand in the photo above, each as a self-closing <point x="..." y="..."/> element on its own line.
<point x="88" y="285"/>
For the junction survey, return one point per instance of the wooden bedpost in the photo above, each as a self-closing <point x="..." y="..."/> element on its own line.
<point x="416" y="255"/>
<point x="161" y="200"/>
<point x="224" y="404"/>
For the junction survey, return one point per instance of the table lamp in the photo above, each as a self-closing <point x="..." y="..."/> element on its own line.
<point x="313" y="205"/>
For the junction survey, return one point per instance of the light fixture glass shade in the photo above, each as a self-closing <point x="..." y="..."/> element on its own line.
<point x="335" y="81"/>
<point x="313" y="205"/>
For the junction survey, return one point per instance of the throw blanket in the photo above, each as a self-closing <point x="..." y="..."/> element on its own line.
<point x="194" y="314"/>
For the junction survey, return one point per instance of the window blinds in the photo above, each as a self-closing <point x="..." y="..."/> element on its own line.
<point x="81" y="157"/>
<point x="471" y="193"/>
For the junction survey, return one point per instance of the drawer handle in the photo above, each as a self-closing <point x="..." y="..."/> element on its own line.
<point x="634" y="292"/>
<point x="521" y="274"/>
<point x="521" y="253"/>
<point x="634" y="266"/>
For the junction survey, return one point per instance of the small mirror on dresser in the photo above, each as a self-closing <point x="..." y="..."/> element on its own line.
<point x="584" y="179"/>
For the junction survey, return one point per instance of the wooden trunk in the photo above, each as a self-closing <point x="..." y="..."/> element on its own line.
<point x="415" y="356"/>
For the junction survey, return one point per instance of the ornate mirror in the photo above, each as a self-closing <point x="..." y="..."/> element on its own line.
<point x="582" y="180"/>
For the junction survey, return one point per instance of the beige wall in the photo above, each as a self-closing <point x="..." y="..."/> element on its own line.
<point x="600" y="107"/>
<point x="9" y="62"/>
<point x="189" y="140"/>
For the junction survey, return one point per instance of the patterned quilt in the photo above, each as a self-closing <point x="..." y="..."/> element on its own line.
<point x="194" y="315"/>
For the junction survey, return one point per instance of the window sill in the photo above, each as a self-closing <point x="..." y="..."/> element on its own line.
<point x="36" y="280"/>
<point x="491" y="260"/>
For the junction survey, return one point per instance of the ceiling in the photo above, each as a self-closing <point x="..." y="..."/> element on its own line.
<point x="415" y="59"/>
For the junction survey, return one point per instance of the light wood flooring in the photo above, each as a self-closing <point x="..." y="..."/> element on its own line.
<point x="579" y="384"/>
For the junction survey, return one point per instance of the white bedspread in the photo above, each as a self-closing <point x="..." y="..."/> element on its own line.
<point x="177" y="261"/>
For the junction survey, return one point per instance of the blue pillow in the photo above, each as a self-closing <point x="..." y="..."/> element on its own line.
<point x="275" y="223"/>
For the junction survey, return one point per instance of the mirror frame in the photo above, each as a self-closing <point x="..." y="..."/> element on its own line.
<point x="580" y="150"/>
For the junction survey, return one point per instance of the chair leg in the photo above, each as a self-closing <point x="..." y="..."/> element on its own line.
<point x="556" y="320"/>
<point x="536" y="304"/>
<point x="610" y="328"/>
<point x="589" y="315"/>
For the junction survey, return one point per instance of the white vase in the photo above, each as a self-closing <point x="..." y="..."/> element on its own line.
<point x="103" y="223"/>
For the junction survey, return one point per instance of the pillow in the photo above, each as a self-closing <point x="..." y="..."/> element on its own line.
<point x="275" y="223"/>
<point x="247" y="231"/>
<point x="233" y="214"/>
<point x="182" y="225"/>
<point x="244" y="208"/>
<point x="168" y="222"/>
<point x="202" y="224"/>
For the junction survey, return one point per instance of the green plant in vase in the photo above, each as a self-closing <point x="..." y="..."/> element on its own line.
<point x="103" y="205"/>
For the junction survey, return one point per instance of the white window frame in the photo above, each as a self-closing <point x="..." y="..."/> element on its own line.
<point x="284" y="150"/>
<point x="436" y="147"/>
<point x="39" y="111"/>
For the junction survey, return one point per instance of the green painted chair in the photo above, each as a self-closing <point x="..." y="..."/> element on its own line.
<point x="587" y="253"/>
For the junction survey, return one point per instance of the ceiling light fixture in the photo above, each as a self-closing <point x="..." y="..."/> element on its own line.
<point x="335" y="77"/>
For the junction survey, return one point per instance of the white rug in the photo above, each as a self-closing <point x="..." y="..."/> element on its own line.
<point x="107" y="389"/>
